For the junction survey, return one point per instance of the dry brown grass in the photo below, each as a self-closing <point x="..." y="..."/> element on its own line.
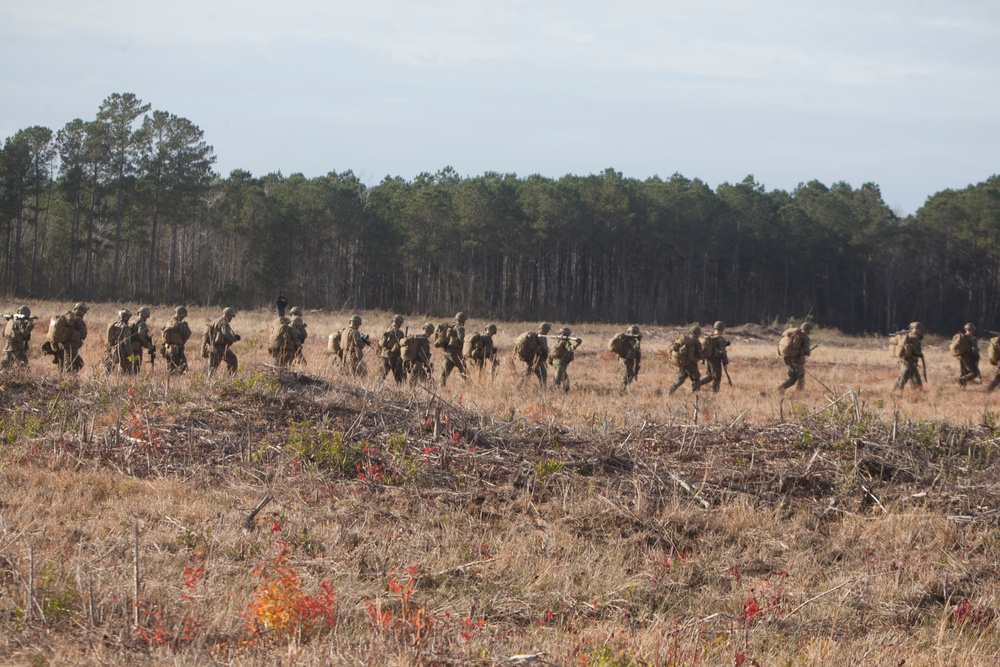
<point x="598" y="528"/>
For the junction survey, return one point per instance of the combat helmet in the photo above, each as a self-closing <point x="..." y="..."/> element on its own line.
<point x="295" y="311"/>
<point x="916" y="325"/>
<point x="806" y="326"/>
<point x="428" y="328"/>
<point x="181" y="311"/>
<point x="82" y="307"/>
<point x="24" y="310"/>
<point x="695" y="330"/>
<point x="545" y="327"/>
<point x="720" y="325"/>
<point x="634" y="330"/>
<point x="969" y="326"/>
<point x="124" y="314"/>
<point x="355" y="319"/>
<point x="398" y="319"/>
<point x="143" y="312"/>
<point x="229" y="312"/>
<point x="491" y="328"/>
<point x="460" y="317"/>
<point x="564" y="331"/>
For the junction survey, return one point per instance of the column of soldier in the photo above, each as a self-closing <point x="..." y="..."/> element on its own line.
<point x="407" y="358"/>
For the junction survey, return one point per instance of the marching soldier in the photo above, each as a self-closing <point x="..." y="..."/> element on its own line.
<point x="715" y="356"/>
<point x="562" y="356"/>
<point x="533" y="349"/>
<point x="17" y="334"/>
<point x="282" y="342"/>
<point x="480" y="348"/>
<point x="223" y="338"/>
<point x="685" y="354"/>
<point x="354" y="343"/>
<point x="794" y="348"/>
<point x="418" y="360"/>
<point x="119" y="344"/>
<point x="909" y="354"/>
<point x="390" y="350"/>
<point x="965" y="346"/>
<point x="175" y="337"/>
<point x="299" y="329"/>
<point x="65" y="338"/>
<point x="141" y="340"/>
<point x="627" y="346"/>
<point x="452" y="344"/>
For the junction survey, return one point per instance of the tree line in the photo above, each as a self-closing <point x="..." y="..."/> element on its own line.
<point x="126" y="206"/>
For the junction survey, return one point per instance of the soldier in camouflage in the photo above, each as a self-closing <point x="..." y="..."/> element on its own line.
<point x="354" y="343"/>
<point x="715" y="355"/>
<point x="562" y="356"/>
<point x="685" y="354"/>
<point x="909" y="358"/>
<point x="142" y="339"/>
<point x="390" y="350"/>
<point x="17" y="334"/>
<point x="452" y="349"/>
<point x="119" y="342"/>
<point x="223" y="338"/>
<point x="966" y="348"/>
<point x="420" y="368"/>
<point x="175" y="337"/>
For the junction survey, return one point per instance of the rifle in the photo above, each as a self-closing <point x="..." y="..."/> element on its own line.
<point x="726" y="369"/>
<point x="924" y="364"/>
<point x="19" y="316"/>
<point x="152" y="359"/>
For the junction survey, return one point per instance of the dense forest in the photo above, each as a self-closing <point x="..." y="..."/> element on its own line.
<point x="127" y="207"/>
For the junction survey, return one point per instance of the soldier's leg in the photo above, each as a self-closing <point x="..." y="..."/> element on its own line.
<point x="716" y="372"/>
<point x="994" y="382"/>
<point x="792" y="376"/>
<point x="386" y="368"/>
<point x="694" y="373"/>
<point x="8" y="360"/>
<point x="232" y="363"/>
<point x="561" y="380"/>
<point x="800" y="376"/>
<point x="543" y="374"/>
<point x="681" y="377"/>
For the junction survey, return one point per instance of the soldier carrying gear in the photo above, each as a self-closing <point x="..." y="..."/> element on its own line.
<point x="390" y="350"/>
<point x="416" y="354"/>
<point x="627" y="346"/>
<point x="685" y="353"/>
<point x="17" y="334"/>
<point x="141" y="340"/>
<point x="65" y="338"/>
<point x="175" y="337"/>
<point x="480" y="348"/>
<point x="793" y="347"/>
<point x="119" y="342"/>
<point x="222" y="338"/>
<point x="994" y="359"/>
<point x="965" y="346"/>
<point x="451" y="340"/>
<point x="299" y="329"/>
<point x="715" y="356"/>
<point x="909" y="353"/>
<point x="532" y="348"/>
<point x="354" y="343"/>
<point x="282" y="342"/>
<point x="562" y="356"/>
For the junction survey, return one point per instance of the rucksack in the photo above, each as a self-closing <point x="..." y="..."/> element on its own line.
<point x="994" y="357"/>
<point x="474" y="346"/>
<point x="410" y="348"/>
<point x="208" y="340"/>
<point x="708" y="347"/>
<point x="790" y="343"/>
<point x="897" y="345"/>
<point x="335" y="343"/>
<point x="280" y="336"/>
<point x="960" y="345"/>
<point x="683" y="352"/>
<point x="442" y="334"/>
<point x="526" y="346"/>
<point x="60" y="330"/>
<point x="619" y="344"/>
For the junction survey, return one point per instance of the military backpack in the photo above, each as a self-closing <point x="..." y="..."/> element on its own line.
<point x="961" y="345"/>
<point x="410" y="348"/>
<point x="791" y="343"/>
<point x="526" y="346"/>
<point x="684" y="351"/>
<point x="994" y="351"/>
<point x="620" y="345"/>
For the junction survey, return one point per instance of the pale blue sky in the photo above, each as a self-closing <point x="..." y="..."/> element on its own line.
<point x="902" y="93"/>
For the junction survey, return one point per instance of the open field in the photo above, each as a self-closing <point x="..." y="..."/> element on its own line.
<point x="845" y="524"/>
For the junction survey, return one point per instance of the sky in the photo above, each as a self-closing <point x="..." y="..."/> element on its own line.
<point x="901" y="93"/>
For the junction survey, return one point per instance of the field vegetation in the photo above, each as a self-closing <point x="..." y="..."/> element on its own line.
<point x="309" y="518"/>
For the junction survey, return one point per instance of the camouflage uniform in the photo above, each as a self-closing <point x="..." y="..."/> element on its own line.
<point x="715" y="355"/>
<point x="141" y="339"/>
<point x="994" y="357"/>
<point x="66" y="355"/>
<point x="536" y="366"/>
<point x="119" y="353"/>
<point x="480" y="349"/>
<point x="796" y="363"/>
<point x="687" y="363"/>
<point x="299" y="329"/>
<point x="282" y="342"/>
<point x="627" y="346"/>
<point x="453" y="350"/>
<point x="390" y="350"/>
<point x="420" y="369"/>
<point x="968" y="361"/>
<point x="911" y="354"/>
<point x="354" y="343"/>
<point x="175" y="337"/>
<point x="223" y="338"/>
<point x="17" y="334"/>
<point x="561" y="357"/>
